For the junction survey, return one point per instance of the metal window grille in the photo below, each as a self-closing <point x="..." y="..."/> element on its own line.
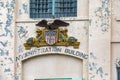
<point x="40" y="8"/>
<point x="53" y="8"/>
<point x="65" y="8"/>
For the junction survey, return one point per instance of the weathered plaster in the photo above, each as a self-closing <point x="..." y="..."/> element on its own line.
<point x="24" y="9"/>
<point x="118" y="62"/>
<point x="96" y="69"/>
<point x="27" y="30"/>
<point x="7" y="21"/>
<point x="98" y="28"/>
<point x="4" y="43"/>
<point x="99" y="39"/>
<point x="115" y="59"/>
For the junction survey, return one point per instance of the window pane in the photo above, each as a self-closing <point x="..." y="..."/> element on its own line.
<point x="53" y="8"/>
<point x="118" y="73"/>
<point x="40" y="8"/>
<point x="65" y="8"/>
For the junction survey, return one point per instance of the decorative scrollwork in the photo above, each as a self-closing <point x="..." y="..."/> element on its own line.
<point x="63" y="39"/>
<point x="51" y="35"/>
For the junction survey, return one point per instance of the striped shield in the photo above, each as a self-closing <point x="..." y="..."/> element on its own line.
<point x="51" y="37"/>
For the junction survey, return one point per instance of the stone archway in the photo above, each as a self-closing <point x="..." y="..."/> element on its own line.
<point x="52" y="66"/>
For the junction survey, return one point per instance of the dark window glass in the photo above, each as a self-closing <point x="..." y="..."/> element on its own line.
<point x="118" y="72"/>
<point x="53" y="8"/>
<point x="40" y="8"/>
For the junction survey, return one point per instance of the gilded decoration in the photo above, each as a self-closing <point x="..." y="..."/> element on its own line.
<point x="51" y="35"/>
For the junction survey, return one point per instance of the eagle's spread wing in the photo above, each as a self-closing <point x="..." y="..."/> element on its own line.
<point x="52" y="26"/>
<point x="59" y="23"/>
<point x="42" y="23"/>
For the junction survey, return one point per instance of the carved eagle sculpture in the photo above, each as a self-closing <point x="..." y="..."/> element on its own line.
<point x="51" y="26"/>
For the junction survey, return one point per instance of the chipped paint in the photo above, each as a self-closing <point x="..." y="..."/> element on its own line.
<point x="4" y="52"/>
<point x="24" y="9"/>
<point x="4" y="44"/>
<point x="92" y="55"/>
<point x="98" y="70"/>
<point x="102" y="14"/>
<point x="22" y="32"/>
<point x="7" y="70"/>
<point x="6" y="39"/>
<point x="99" y="39"/>
<point x="9" y="19"/>
<point x="7" y="32"/>
<point x="20" y="12"/>
<point x="20" y="49"/>
<point x="16" y="77"/>
<point x="118" y="62"/>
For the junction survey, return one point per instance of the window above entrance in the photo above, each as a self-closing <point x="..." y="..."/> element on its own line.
<point x="53" y="8"/>
<point x="118" y="72"/>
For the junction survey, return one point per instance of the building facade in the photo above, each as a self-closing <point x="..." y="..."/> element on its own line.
<point x="94" y="23"/>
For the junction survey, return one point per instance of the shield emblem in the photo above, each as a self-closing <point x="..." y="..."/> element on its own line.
<point x="51" y="37"/>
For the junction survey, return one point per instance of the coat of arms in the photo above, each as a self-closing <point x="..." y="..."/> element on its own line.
<point x="51" y="35"/>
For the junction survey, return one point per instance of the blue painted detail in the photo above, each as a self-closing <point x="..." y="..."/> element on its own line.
<point x="6" y="26"/>
<point x="9" y="6"/>
<point x="4" y="44"/>
<point x="108" y="11"/>
<point x="11" y="60"/>
<point x="9" y="20"/>
<point x="4" y="52"/>
<point x="25" y="8"/>
<point x="103" y="13"/>
<point x="1" y="4"/>
<point x="92" y="66"/>
<point x="9" y="11"/>
<point x="92" y="77"/>
<point x="100" y="71"/>
<point x="7" y="70"/>
<point x="20" y="49"/>
<point x="1" y="23"/>
<point x="16" y="77"/>
<point x="7" y="31"/>
<point x="22" y="32"/>
<point x="92" y="55"/>
<point x="1" y="64"/>
<point x="20" y="12"/>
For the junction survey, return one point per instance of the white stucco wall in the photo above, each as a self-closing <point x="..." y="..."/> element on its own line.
<point x="96" y="27"/>
<point x="7" y="28"/>
<point x="52" y="66"/>
<point x="115" y="37"/>
<point x="26" y="28"/>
